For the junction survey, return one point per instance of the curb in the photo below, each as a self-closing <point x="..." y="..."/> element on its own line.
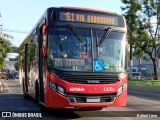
<point x="142" y="90"/>
<point x="3" y="88"/>
<point x="1" y="85"/>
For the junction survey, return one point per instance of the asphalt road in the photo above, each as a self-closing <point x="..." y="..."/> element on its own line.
<point x="140" y="105"/>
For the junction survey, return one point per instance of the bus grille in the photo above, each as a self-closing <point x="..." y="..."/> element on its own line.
<point x="83" y="98"/>
<point x="91" y="79"/>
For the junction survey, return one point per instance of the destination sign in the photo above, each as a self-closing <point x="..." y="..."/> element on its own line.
<point x="89" y="18"/>
<point x="69" y="62"/>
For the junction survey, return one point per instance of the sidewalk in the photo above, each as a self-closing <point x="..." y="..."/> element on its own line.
<point x="10" y="86"/>
<point x="3" y="89"/>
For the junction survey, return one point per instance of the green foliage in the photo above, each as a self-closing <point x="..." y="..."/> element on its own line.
<point x="5" y="47"/>
<point x="131" y="16"/>
<point x="146" y="58"/>
<point x="145" y="85"/>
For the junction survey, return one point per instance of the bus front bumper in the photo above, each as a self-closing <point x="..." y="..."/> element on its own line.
<point x="54" y="99"/>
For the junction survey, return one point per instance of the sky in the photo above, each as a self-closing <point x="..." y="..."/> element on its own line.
<point x="22" y="15"/>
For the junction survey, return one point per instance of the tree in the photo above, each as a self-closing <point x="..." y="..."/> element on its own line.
<point x="5" y="47"/>
<point x="131" y="9"/>
<point x="146" y="35"/>
<point x="151" y="46"/>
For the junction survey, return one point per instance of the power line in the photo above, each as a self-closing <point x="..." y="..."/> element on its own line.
<point x="15" y="31"/>
<point x="9" y="30"/>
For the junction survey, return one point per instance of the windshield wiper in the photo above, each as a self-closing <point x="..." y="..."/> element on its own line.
<point x="77" y="34"/>
<point x="108" y="31"/>
<point x="97" y="46"/>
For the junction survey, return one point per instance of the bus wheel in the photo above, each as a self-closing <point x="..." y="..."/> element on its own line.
<point x="43" y="108"/>
<point x="37" y="93"/>
<point x="25" y="95"/>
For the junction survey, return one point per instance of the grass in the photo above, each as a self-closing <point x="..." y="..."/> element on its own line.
<point x="147" y="85"/>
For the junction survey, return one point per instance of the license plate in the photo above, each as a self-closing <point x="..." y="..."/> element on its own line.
<point x="93" y="100"/>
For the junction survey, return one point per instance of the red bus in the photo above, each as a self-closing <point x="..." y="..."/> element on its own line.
<point x="75" y="58"/>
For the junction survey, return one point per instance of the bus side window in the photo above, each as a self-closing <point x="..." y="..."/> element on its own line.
<point x="32" y="50"/>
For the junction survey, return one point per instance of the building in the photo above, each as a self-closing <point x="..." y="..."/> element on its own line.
<point x="142" y="67"/>
<point x="11" y="60"/>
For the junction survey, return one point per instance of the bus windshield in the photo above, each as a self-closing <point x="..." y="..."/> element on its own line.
<point x="110" y="55"/>
<point x="66" y="52"/>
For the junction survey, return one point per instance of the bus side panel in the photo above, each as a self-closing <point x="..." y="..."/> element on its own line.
<point x="31" y="65"/>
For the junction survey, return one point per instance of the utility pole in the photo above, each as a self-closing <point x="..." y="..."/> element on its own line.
<point x="1" y="27"/>
<point x="1" y="24"/>
<point x="158" y="19"/>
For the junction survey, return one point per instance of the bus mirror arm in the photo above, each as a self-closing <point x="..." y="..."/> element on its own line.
<point x="39" y="32"/>
<point x="39" y="37"/>
<point x="40" y="41"/>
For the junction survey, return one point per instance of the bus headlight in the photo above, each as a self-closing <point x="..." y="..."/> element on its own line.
<point x="61" y="90"/>
<point x="124" y="86"/>
<point x="56" y="87"/>
<point x="121" y="89"/>
<point x="52" y="84"/>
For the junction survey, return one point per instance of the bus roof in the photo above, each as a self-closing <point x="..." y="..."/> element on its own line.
<point x="69" y="8"/>
<point x="88" y="9"/>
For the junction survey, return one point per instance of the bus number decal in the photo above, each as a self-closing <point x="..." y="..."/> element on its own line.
<point x="109" y="89"/>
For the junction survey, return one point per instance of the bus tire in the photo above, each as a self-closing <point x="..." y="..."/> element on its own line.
<point x="43" y="108"/>
<point x="37" y="93"/>
<point x="25" y="95"/>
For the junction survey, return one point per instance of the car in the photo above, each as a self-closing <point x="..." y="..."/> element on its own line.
<point x="3" y="75"/>
<point x="10" y="75"/>
<point x="16" y="74"/>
